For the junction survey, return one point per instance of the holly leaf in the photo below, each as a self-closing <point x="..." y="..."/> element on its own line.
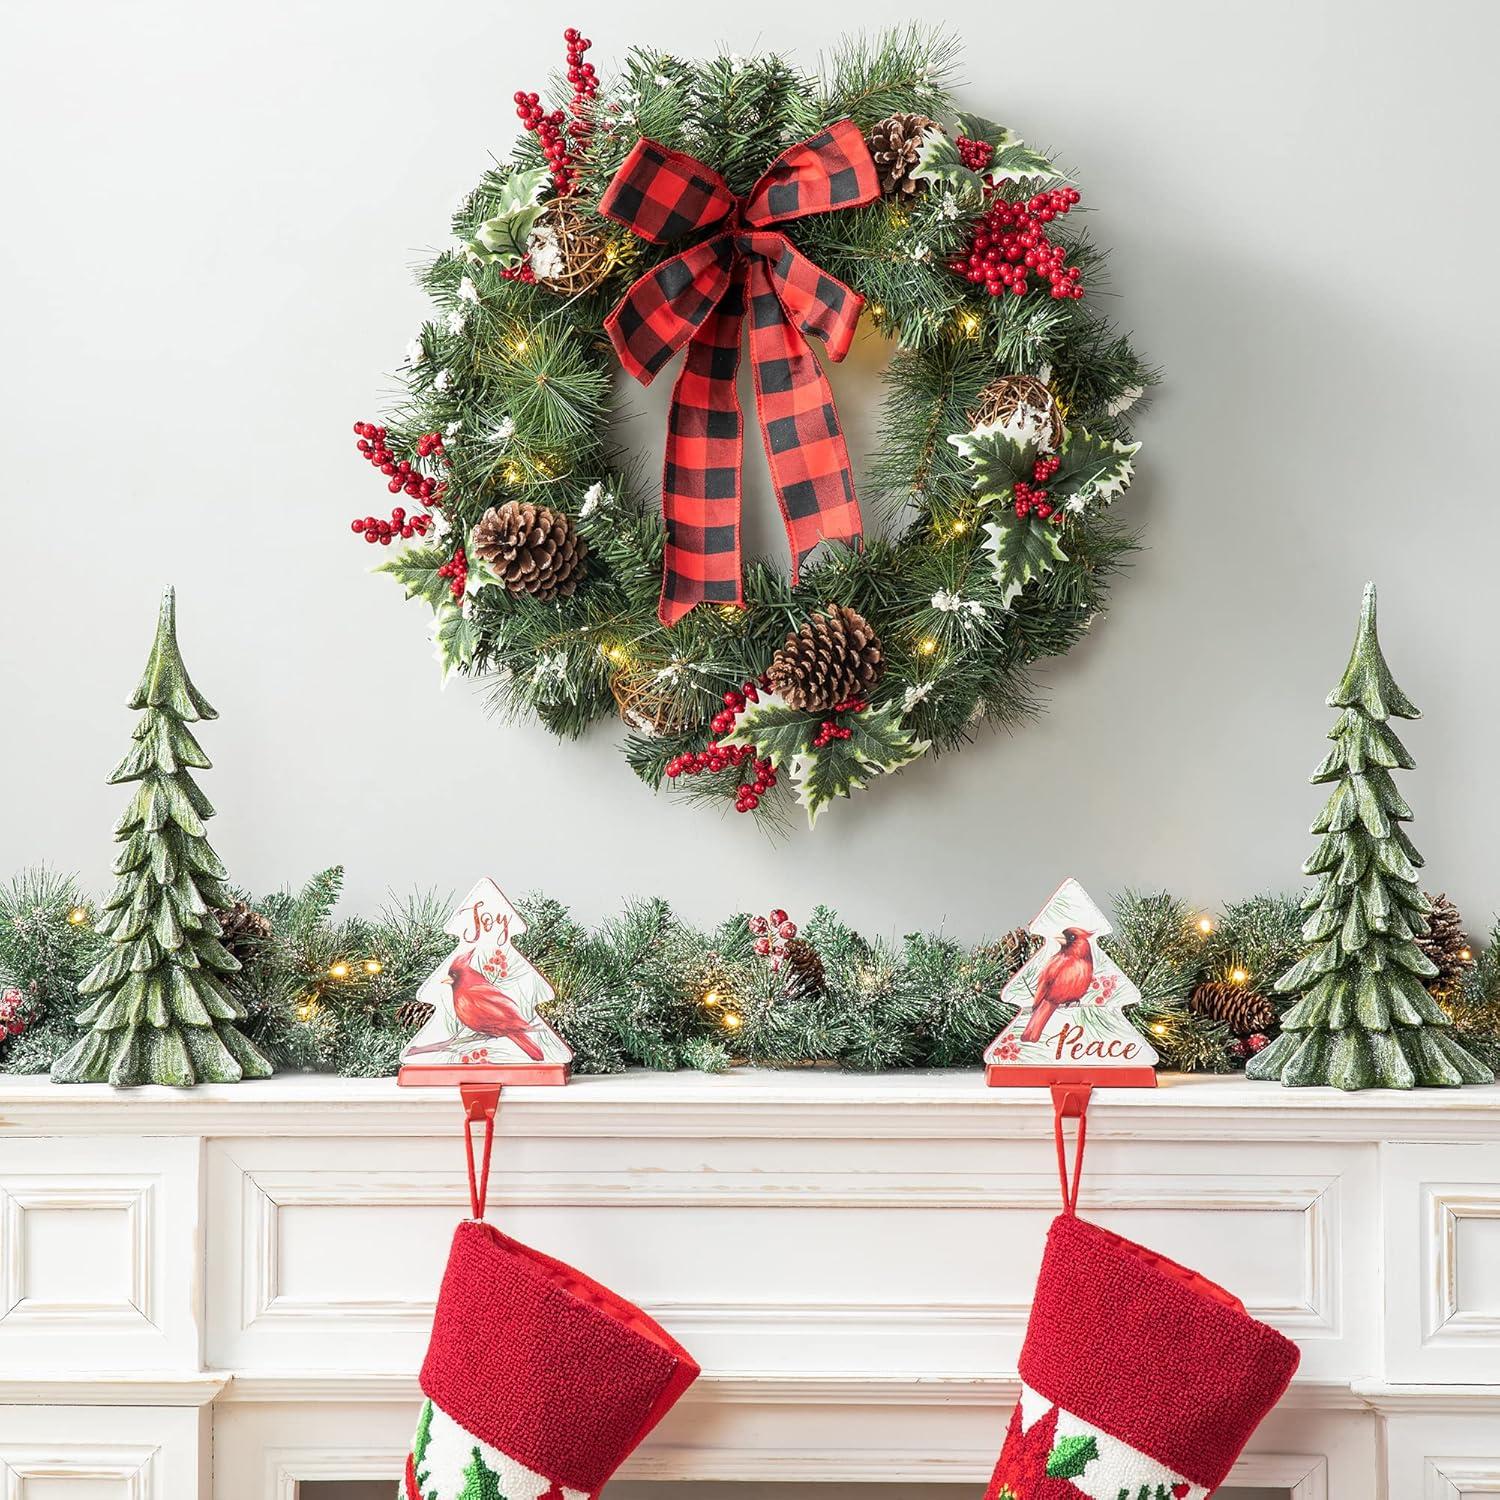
<point x="977" y="128"/>
<point x="1011" y="160"/>
<point x="415" y="569"/>
<point x="502" y="238"/>
<point x="1015" y="162"/>
<point x="998" y="459"/>
<point x="1091" y="469"/>
<point x="455" y="638"/>
<point x="877" y="745"/>
<point x="1021" y="549"/>
<point x="1072" y="1456"/>
<point x="938" y="162"/>
<point x="775" y="729"/>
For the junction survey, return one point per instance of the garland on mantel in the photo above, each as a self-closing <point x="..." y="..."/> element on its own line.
<point x="646" y="989"/>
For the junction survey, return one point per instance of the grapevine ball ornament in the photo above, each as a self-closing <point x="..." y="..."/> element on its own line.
<point x="664" y="218"/>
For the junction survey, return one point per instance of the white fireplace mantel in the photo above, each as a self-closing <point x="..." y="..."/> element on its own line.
<point x="226" y="1292"/>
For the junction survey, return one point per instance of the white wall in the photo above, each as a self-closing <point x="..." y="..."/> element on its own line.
<point x="210" y="211"/>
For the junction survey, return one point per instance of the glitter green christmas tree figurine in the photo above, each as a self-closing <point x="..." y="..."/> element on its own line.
<point x="1365" y="1019"/>
<point x="158" y="1010"/>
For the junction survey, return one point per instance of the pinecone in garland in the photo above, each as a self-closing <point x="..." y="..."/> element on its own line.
<point x="895" y="143"/>
<point x="1242" y="1010"/>
<point x="532" y="550"/>
<point x="1446" y="944"/>
<point x="242" y="929"/>
<point x="802" y="970"/>
<point x="413" y="1014"/>
<point x="833" y="658"/>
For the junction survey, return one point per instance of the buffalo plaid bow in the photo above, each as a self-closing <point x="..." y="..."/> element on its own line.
<point x="699" y="298"/>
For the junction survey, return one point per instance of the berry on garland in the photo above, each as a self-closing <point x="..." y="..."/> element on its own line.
<point x="834" y="658"/>
<point x="895" y="145"/>
<point x="17" y="1011"/>
<point x="799" y="964"/>
<point x="531" y="549"/>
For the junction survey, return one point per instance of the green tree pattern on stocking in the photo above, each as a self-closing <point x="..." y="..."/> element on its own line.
<point x="480" y="1481"/>
<point x="1365" y="1019"/>
<point x="160" y="1012"/>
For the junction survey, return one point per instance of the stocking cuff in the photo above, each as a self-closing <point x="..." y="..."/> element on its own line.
<point x="1150" y="1352"/>
<point x="539" y="1363"/>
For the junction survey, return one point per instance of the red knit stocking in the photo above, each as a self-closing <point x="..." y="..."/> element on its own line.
<point x="1140" y="1380"/>
<point x="539" y="1381"/>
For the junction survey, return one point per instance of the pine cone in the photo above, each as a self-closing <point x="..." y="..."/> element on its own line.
<point x="1018" y="945"/>
<point x="1445" y="943"/>
<point x="895" y="143"/>
<point x="802" y="970"/>
<point x="1243" y="1011"/>
<point x="531" y="549"/>
<point x="413" y="1014"/>
<point x="242" y="929"/>
<point x="834" y="657"/>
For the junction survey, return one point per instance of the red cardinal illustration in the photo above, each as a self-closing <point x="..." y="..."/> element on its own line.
<point x="1064" y="980"/>
<point x="486" y="1010"/>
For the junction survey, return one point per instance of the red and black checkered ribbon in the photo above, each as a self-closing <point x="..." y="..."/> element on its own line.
<point x="700" y="298"/>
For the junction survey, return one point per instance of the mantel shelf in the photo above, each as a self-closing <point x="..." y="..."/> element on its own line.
<point x="820" y="1102"/>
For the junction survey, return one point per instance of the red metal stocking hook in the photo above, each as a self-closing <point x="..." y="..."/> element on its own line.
<point x="1070" y="1101"/>
<point x="481" y="1102"/>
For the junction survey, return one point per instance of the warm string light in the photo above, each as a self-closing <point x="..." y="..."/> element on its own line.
<point x="339" y="969"/>
<point x="968" y="324"/>
<point x="713" y="998"/>
<point x="374" y="966"/>
<point x="78" y="916"/>
<point x="1158" y="1028"/>
<point x="732" y="1020"/>
<point x="1205" y="924"/>
<point x="927" y="646"/>
<point x="1465" y="955"/>
<point x="308" y="1009"/>
<point x="1238" y="975"/>
<point x="614" y="652"/>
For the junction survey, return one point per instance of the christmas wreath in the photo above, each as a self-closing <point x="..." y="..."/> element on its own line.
<point x="683" y="206"/>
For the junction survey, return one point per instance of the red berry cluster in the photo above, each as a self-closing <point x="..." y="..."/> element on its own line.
<point x="400" y="476"/>
<point x="1010" y="243"/>
<point x="385" y="532"/>
<point x="456" y="571"/>
<point x="717" y="757"/>
<point x="975" y="155"/>
<point x="475" y="1055"/>
<point x="772" y="933"/>
<point x="13" y="1012"/>
<point x="1031" y="499"/>
<point x="830" y="730"/>
<point x="562" y="143"/>
<point x="1247" y="1047"/>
